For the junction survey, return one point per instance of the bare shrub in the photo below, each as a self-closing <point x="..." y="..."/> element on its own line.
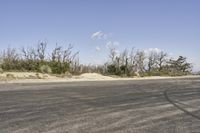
<point x="10" y="60"/>
<point x="45" y="69"/>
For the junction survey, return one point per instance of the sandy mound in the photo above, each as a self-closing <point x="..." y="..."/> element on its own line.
<point x="25" y="75"/>
<point x="95" y="76"/>
<point x="39" y="77"/>
<point x="31" y="77"/>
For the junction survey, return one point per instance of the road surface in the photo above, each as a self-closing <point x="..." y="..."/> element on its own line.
<point x="143" y="106"/>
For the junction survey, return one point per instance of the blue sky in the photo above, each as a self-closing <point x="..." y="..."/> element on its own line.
<point x="170" y="25"/>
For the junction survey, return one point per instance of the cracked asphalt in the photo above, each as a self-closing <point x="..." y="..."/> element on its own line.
<point x="137" y="106"/>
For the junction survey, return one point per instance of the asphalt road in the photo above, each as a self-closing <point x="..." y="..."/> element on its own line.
<point x="145" y="106"/>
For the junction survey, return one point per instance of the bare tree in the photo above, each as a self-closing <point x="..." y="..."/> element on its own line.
<point x="180" y="65"/>
<point x="64" y="59"/>
<point x="161" y="59"/>
<point x="29" y="54"/>
<point x="67" y="54"/>
<point x="139" y="61"/>
<point x="132" y="56"/>
<point x="56" y="54"/>
<point x="10" y="59"/>
<point x="132" y="60"/>
<point x="152" y="59"/>
<point x="74" y="62"/>
<point x="124" y="57"/>
<point x="29" y="60"/>
<point x="124" y="61"/>
<point x="41" y="49"/>
<point x="74" y="57"/>
<point x="112" y="54"/>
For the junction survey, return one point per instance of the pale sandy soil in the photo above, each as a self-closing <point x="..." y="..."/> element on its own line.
<point x="31" y="77"/>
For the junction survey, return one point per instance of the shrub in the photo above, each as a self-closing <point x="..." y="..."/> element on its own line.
<point x="143" y="74"/>
<point x="10" y="76"/>
<point x="68" y="74"/>
<point x="45" y="69"/>
<point x="59" y="68"/>
<point x="38" y="76"/>
<point x="1" y="70"/>
<point x="112" y="69"/>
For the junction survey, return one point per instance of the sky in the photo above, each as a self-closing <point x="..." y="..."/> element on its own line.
<point x="94" y="25"/>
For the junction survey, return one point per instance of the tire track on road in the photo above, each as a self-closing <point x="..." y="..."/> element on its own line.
<point x="178" y="107"/>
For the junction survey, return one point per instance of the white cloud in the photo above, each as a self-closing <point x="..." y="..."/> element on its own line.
<point x="95" y="61"/>
<point x="99" y="35"/>
<point x="117" y="52"/>
<point x="197" y="67"/>
<point x="98" y="49"/>
<point x="112" y="44"/>
<point x="171" y="54"/>
<point x="149" y="50"/>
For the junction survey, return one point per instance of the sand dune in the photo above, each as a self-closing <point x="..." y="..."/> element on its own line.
<point x="26" y="77"/>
